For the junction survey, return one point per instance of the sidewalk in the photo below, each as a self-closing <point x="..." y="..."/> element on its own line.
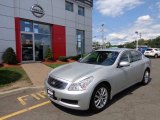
<point x="37" y="72"/>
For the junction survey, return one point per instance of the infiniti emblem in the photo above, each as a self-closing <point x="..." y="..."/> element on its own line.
<point x="53" y="82"/>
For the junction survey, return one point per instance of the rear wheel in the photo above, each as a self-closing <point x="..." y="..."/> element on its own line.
<point x="146" y="77"/>
<point x="155" y="56"/>
<point x="99" y="98"/>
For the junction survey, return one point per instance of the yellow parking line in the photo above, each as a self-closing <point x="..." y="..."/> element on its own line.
<point x="13" y="114"/>
<point x="23" y="110"/>
<point x="38" y="105"/>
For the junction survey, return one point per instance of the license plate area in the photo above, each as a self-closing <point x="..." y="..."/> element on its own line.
<point x="50" y="93"/>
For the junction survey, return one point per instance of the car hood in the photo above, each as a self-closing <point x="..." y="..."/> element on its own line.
<point x="73" y="71"/>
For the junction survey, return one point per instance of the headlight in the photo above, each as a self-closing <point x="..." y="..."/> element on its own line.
<point x="81" y="85"/>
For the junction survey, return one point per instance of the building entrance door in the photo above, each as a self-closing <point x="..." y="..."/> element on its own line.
<point x="27" y="47"/>
<point x="36" y="40"/>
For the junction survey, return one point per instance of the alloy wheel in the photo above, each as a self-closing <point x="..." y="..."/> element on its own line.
<point x="146" y="77"/>
<point x="101" y="97"/>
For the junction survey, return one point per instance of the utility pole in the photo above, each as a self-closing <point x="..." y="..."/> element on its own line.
<point x="139" y="35"/>
<point x="102" y="36"/>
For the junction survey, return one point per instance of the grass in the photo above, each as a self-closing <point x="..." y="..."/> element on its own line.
<point x="54" y="65"/>
<point x="11" y="74"/>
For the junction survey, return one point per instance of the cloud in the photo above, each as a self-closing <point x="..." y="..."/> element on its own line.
<point x="117" y="36"/>
<point x="145" y="25"/>
<point x="142" y="23"/>
<point x="144" y="18"/>
<point x="116" y="8"/>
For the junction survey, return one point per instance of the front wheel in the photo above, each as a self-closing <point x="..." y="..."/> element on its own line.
<point x="146" y="77"/>
<point x="99" y="98"/>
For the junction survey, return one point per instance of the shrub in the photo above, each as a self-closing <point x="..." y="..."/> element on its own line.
<point x="1" y="65"/>
<point x="49" y="55"/>
<point x="9" y="56"/>
<point x="63" y="58"/>
<point x="75" y="57"/>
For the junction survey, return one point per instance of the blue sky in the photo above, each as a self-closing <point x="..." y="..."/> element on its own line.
<point x="122" y="18"/>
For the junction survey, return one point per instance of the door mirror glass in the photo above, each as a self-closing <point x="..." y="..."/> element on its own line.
<point x="124" y="64"/>
<point x="79" y="59"/>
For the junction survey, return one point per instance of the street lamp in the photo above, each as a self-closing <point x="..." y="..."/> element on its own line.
<point x="136" y="40"/>
<point x="103" y="36"/>
<point x="138" y="35"/>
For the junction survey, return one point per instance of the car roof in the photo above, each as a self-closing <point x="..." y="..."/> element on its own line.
<point x="153" y="48"/>
<point x="115" y="49"/>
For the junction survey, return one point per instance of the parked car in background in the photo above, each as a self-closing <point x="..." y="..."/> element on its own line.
<point x="152" y="52"/>
<point x="96" y="78"/>
<point x="142" y="49"/>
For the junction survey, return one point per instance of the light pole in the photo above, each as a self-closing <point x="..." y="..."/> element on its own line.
<point x="102" y="36"/>
<point x="138" y="35"/>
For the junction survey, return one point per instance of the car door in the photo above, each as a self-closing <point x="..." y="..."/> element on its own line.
<point x="137" y="65"/>
<point x="125" y="74"/>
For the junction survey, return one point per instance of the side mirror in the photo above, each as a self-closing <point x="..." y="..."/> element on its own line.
<point x="124" y="64"/>
<point x="80" y="59"/>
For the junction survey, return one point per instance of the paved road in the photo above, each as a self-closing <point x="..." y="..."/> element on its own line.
<point x="135" y="103"/>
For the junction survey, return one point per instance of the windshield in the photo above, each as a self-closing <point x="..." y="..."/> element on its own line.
<point x="101" y="58"/>
<point x="149" y="50"/>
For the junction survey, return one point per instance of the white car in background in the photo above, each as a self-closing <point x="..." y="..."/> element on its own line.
<point x="152" y="52"/>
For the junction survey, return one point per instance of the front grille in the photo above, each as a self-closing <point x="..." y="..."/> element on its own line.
<point x="56" y="83"/>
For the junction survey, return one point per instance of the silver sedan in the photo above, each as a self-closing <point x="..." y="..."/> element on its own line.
<point x="91" y="82"/>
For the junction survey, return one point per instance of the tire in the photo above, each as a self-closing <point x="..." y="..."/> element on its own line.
<point x="155" y="56"/>
<point x="146" y="77"/>
<point x="100" y="98"/>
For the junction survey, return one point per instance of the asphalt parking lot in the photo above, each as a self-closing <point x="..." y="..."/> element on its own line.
<point x="135" y="103"/>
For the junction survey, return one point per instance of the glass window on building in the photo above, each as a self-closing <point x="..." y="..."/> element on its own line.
<point x="80" y="41"/>
<point x="69" y="6"/>
<point x="26" y="26"/>
<point x="36" y="40"/>
<point x="41" y="28"/>
<point x="42" y="44"/>
<point x="81" y="11"/>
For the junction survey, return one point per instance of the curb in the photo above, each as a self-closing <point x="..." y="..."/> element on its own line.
<point x="19" y="90"/>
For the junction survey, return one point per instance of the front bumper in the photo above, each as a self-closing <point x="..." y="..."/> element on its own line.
<point x="62" y="97"/>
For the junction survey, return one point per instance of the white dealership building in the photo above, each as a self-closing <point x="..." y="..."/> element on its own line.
<point x="30" y="27"/>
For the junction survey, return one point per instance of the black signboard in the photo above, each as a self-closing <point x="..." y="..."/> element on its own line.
<point x="87" y="2"/>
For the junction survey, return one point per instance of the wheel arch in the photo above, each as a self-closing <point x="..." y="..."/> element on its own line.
<point x="148" y="69"/>
<point x="105" y="83"/>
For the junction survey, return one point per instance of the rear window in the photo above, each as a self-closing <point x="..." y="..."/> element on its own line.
<point x="149" y="49"/>
<point x="135" y="56"/>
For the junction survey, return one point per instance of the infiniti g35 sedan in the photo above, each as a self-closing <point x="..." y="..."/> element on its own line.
<point x="92" y="81"/>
